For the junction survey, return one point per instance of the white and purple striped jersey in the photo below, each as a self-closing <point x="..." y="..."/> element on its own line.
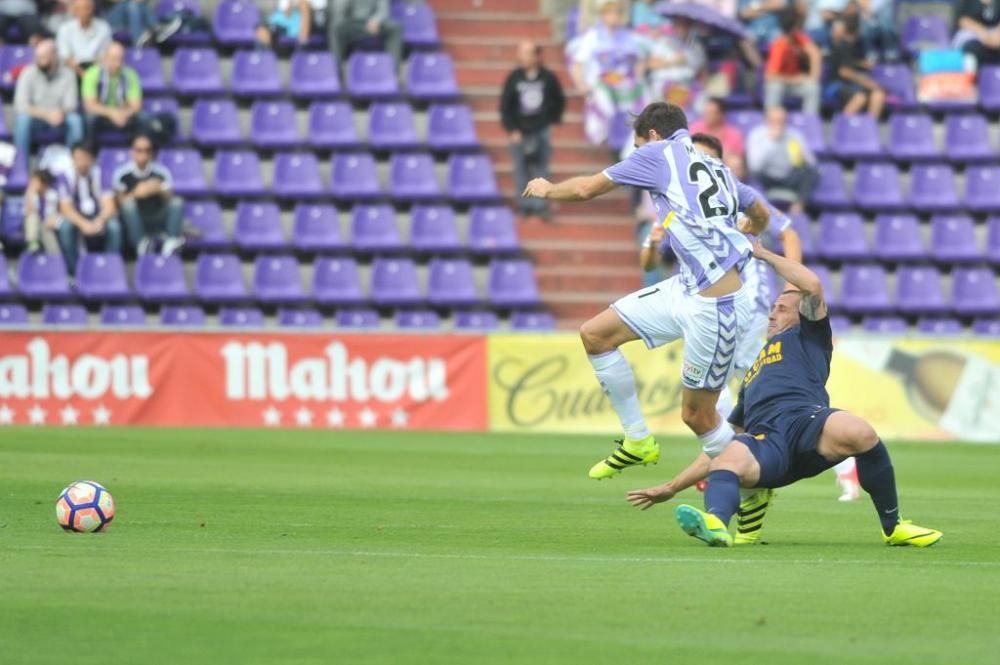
<point x="697" y="199"/>
<point x="757" y="275"/>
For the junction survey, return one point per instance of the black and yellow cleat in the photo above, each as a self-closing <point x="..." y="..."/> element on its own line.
<point x="629" y="453"/>
<point x="750" y="518"/>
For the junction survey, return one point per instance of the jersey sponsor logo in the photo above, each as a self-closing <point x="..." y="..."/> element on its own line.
<point x="770" y="354"/>
<point x="693" y="373"/>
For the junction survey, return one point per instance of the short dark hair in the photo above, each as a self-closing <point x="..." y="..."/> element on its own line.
<point x="663" y="117"/>
<point x="45" y="176"/>
<point x="85" y="146"/>
<point x="790" y="20"/>
<point x="152" y="143"/>
<point x="718" y="101"/>
<point x="709" y="141"/>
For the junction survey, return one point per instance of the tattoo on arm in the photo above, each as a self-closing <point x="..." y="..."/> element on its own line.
<point x="812" y="307"/>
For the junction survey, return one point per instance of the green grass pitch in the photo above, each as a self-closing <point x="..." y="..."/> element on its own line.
<point x="354" y="548"/>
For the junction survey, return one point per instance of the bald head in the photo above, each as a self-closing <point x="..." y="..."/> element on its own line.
<point x="83" y="10"/>
<point x="776" y="120"/>
<point x="527" y="54"/>
<point x="114" y="57"/>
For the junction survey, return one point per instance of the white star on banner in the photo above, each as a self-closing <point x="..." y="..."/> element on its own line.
<point x="304" y="417"/>
<point x="6" y="415"/>
<point x="36" y="415"/>
<point x="400" y="418"/>
<point x="69" y="415"/>
<point x="102" y="415"/>
<point x="272" y="417"/>
<point x="335" y="418"/>
<point x="367" y="418"/>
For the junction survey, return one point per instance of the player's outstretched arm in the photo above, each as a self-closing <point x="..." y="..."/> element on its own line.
<point x="813" y="305"/>
<point x="581" y="188"/>
<point x="649" y="497"/>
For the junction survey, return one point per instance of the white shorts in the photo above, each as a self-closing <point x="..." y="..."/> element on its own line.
<point x="710" y="327"/>
<point x="748" y="347"/>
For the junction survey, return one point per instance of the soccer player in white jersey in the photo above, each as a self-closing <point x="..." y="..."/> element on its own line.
<point x="697" y="199"/>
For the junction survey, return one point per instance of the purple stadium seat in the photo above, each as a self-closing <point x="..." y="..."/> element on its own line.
<point x="877" y="186"/>
<point x="989" y="87"/>
<point x="391" y="127"/>
<point x="993" y="240"/>
<point x="273" y="125"/>
<point x="276" y="279"/>
<point x="919" y="290"/>
<point x="12" y="219"/>
<point x="802" y="226"/>
<point x="451" y="127"/>
<point x="13" y="314"/>
<point x="374" y="229"/>
<point x="237" y="173"/>
<point x="476" y="321"/>
<point x="932" y="188"/>
<point x="255" y="74"/>
<point x="160" y="278"/>
<point x="17" y="178"/>
<point x="512" y="283"/>
<point x="123" y="315"/>
<point x="940" y="326"/>
<point x="492" y="230"/>
<point x="433" y="229"/>
<point x="831" y="192"/>
<point x="911" y="137"/>
<point x="108" y="160"/>
<point x="418" y="24"/>
<point x="102" y="277"/>
<point x="64" y="315"/>
<point x="897" y="79"/>
<point x="967" y="138"/>
<point x="885" y="325"/>
<point x="855" y="137"/>
<point x="235" y="22"/>
<point x="241" y="317"/>
<point x="745" y="120"/>
<point x="147" y="64"/>
<point x="864" y="288"/>
<point x="215" y="123"/>
<point x="6" y="291"/>
<point x="166" y="7"/>
<point x="42" y="276"/>
<point x="897" y="238"/>
<point x="840" y="324"/>
<point x="190" y="37"/>
<point x="842" y="236"/>
<point x="431" y="76"/>
<point x="450" y="283"/>
<point x="810" y="125"/>
<point x="925" y="31"/>
<point x="316" y="228"/>
<point x="163" y="106"/>
<point x="418" y="319"/>
<point x="362" y="318"/>
<point x="953" y="239"/>
<point x="219" y="278"/>
<point x="258" y="227"/>
<point x="986" y="327"/>
<point x="371" y="76"/>
<point x="197" y="72"/>
<point x="471" y="178"/>
<point x="182" y="315"/>
<point x="832" y="299"/>
<point x="353" y="176"/>
<point x="11" y="56"/>
<point x="336" y="282"/>
<point x="206" y="219"/>
<point x="331" y="125"/>
<point x="394" y="283"/>
<point x="974" y="292"/>
<point x="982" y="188"/>
<point x="314" y="74"/>
<point x="532" y="321"/>
<point x="296" y="175"/>
<point x="187" y="170"/>
<point x="299" y="318"/>
<point x="412" y="177"/>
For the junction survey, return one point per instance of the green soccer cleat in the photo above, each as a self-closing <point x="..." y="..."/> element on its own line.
<point x="629" y="453"/>
<point x="750" y="518"/>
<point x="908" y="534"/>
<point x="706" y="527"/>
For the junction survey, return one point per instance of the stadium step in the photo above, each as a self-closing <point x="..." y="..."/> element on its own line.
<point x="489" y="128"/>
<point x="487" y="98"/>
<point x="565" y="151"/>
<point x="623" y="283"/>
<point x="478" y="6"/>
<point x="501" y="50"/>
<point x="494" y="72"/>
<point x="559" y="229"/>
<point x="576" y="307"/>
<point x="493" y="24"/>
<point x="583" y="252"/>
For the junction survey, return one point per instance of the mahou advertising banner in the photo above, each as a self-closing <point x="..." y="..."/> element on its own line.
<point x="237" y="380"/>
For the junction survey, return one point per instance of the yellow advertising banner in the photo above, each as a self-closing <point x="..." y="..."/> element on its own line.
<point x="909" y="389"/>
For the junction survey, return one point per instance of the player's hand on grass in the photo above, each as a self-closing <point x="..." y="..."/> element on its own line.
<point x="647" y="498"/>
<point x="538" y="188"/>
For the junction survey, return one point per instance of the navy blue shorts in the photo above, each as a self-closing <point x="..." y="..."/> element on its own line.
<point x="787" y="452"/>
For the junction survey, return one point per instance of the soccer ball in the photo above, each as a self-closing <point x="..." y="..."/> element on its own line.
<point x="85" y="506"/>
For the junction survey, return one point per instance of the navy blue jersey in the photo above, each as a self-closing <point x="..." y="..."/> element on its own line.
<point x="789" y="376"/>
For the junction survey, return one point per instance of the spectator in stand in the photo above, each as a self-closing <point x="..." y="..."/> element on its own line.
<point x="532" y="101"/>
<point x="295" y="19"/>
<point x="645" y="16"/>
<point x="23" y="14"/>
<point x="112" y="96"/>
<point x="46" y="96"/>
<point x="41" y="213"/>
<point x="779" y="158"/>
<point x="879" y="31"/>
<point x="590" y="11"/>
<point x="762" y="18"/>
<point x="794" y="66"/>
<point x="81" y="40"/>
<point x="713" y="122"/>
<point x="148" y="205"/>
<point x="608" y="67"/>
<point x="87" y="211"/>
<point x="677" y="63"/>
<point x="851" y="86"/>
<point x="978" y="35"/>
<point x="137" y="18"/>
<point x="353" y="20"/>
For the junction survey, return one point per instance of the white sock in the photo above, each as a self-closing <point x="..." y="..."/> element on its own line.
<point x="615" y="376"/>
<point x="725" y="404"/>
<point x="714" y="442"/>
<point x="846" y="468"/>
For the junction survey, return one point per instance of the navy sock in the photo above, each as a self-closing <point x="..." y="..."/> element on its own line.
<point x="876" y="477"/>
<point x="722" y="496"/>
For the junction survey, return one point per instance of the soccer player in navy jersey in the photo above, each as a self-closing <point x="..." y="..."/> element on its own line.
<point x="697" y="200"/>
<point x="787" y="430"/>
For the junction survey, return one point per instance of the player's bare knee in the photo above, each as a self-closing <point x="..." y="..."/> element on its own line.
<point x="593" y="341"/>
<point x="863" y="437"/>
<point x="735" y="459"/>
